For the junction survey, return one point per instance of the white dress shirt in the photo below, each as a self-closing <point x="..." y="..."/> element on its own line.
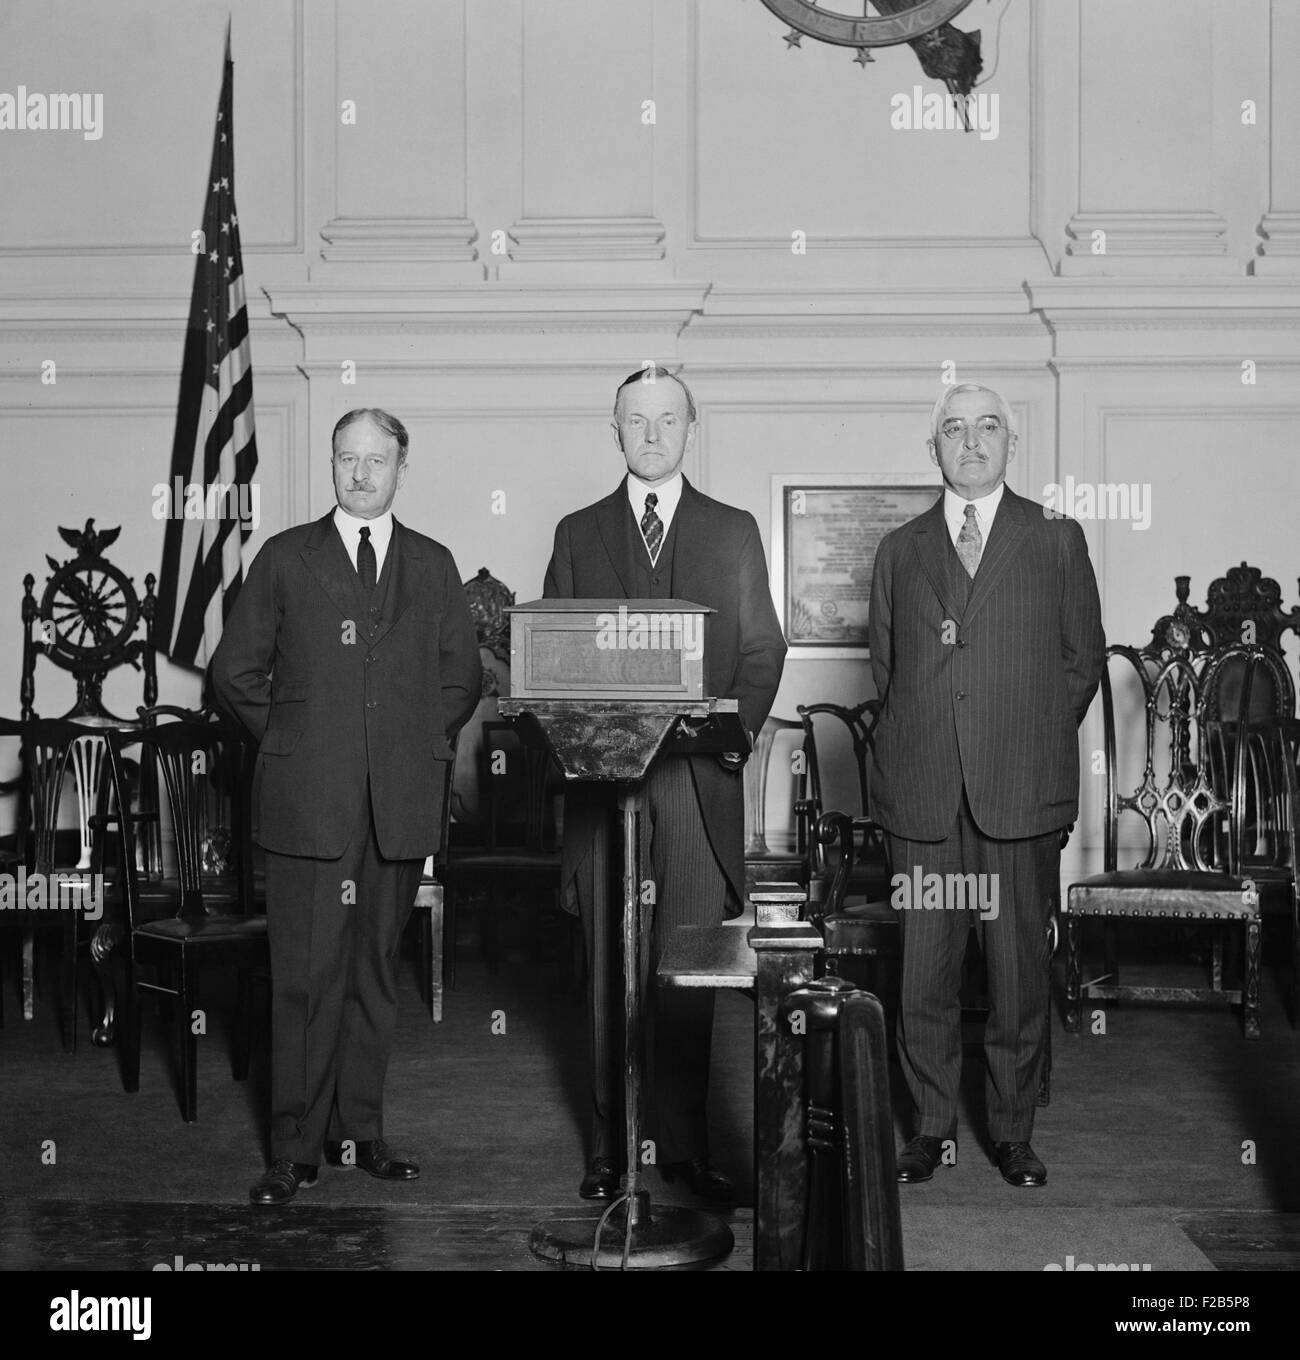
<point x="669" y="493"/>
<point x="954" y="512"/>
<point x="381" y="533"/>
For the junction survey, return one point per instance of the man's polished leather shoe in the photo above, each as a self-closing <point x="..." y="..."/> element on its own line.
<point x="919" y="1158"/>
<point x="373" y="1156"/>
<point x="701" y="1179"/>
<point x="1018" y="1165"/>
<point x="601" y="1180"/>
<point x="281" y="1181"/>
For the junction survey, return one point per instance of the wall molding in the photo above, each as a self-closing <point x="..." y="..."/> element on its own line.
<point x="587" y="238"/>
<point x="400" y="240"/>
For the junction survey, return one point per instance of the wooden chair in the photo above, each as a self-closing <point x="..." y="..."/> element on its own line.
<point x="113" y="929"/>
<point x="870" y="873"/>
<point x="1265" y="853"/>
<point x="431" y="907"/>
<point x="202" y="917"/>
<point x="67" y="866"/>
<point x="766" y="861"/>
<point x="850" y="889"/>
<point x="1280" y="739"/>
<point x="1190" y="868"/>
<point x="1243" y="607"/>
<point x="867" y="928"/>
<point x="518" y="846"/>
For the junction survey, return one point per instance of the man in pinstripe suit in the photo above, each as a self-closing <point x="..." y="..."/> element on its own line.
<point x="986" y="647"/>
<point x="656" y="537"/>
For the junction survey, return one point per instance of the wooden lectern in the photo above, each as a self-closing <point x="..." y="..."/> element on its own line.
<point x="614" y="685"/>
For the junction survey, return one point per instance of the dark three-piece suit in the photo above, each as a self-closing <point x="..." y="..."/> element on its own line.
<point x="353" y="696"/>
<point x="694" y="819"/>
<point x="976" y="770"/>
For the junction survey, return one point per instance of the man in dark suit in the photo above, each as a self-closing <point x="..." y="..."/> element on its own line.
<point x="987" y="647"/>
<point x="656" y="537"/>
<point x="351" y="656"/>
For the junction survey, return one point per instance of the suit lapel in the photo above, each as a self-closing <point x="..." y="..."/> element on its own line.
<point x="408" y="567"/>
<point x="693" y="546"/>
<point x="1006" y="539"/>
<point x="327" y="559"/>
<point x="931" y="541"/>
<point x="611" y="521"/>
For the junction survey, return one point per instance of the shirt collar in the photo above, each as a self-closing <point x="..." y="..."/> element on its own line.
<point x="350" y="527"/>
<point x="986" y="507"/>
<point x="669" y="493"/>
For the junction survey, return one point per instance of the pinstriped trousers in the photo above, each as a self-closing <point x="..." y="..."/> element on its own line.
<point x="1016" y="954"/>
<point x="689" y="889"/>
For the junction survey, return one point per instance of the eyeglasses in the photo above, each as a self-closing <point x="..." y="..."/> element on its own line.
<point x="985" y="426"/>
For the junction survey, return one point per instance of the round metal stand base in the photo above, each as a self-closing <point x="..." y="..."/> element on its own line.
<point x="661" y="1239"/>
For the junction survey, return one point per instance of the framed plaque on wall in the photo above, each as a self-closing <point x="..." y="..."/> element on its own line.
<point x="825" y="531"/>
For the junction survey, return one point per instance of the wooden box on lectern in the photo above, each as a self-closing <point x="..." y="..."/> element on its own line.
<point x="608" y="649"/>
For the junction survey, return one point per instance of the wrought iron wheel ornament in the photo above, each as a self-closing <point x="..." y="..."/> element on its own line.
<point x="90" y="603"/>
<point x="945" y="53"/>
<point x="86" y="622"/>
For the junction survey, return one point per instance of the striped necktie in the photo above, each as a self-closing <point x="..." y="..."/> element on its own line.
<point x="652" y="527"/>
<point x="970" y="542"/>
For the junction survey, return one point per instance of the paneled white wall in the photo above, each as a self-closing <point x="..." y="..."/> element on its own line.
<point x="502" y="233"/>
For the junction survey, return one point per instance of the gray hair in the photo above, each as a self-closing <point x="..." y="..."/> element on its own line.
<point x="381" y="420"/>
<point x="659" y="372"/>
<point x="940" y="406"/>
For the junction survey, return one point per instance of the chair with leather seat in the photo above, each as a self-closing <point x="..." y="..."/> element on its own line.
<point x="1266" y="826"/>
<point x="853" y="926"/>
<point x="199" y="917"/>
<point x="518" y="846"/>
<point x="65" y="865"/>
<point x="1188" y="868"/>
<point x="850" y="888"/>
<point x="869" y="876"/>
<point x="1279" y="740"/>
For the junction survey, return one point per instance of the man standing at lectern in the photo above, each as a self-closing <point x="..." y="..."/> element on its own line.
<point x="656" y="537"/>
<point x="986" y="647"/>
<point x="351" y="656"/>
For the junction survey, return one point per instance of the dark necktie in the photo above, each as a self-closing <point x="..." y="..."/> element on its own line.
<point x="970" y="542"/>
<point x="367" y="568"/>
<point x="652" y="527"/>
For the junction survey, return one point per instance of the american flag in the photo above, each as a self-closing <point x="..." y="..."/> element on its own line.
<point x="214" y="444"/>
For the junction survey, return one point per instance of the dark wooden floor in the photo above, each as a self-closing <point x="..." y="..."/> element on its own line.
<point x="1170" y="1141"/>
<point x="312" y="1235"/>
